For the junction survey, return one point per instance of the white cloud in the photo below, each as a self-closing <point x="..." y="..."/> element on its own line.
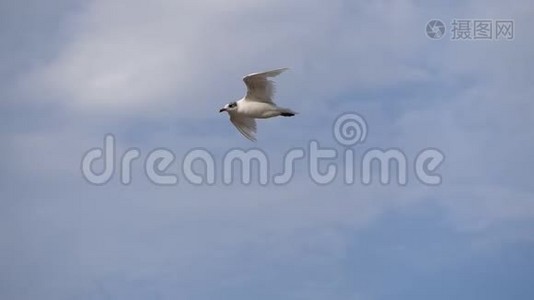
<point x="132" y="58"/>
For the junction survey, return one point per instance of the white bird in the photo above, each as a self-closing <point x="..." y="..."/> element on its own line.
<point x="257" y="103"/>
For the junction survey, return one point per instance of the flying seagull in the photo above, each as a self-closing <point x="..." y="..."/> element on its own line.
<point x="257" y="103"/>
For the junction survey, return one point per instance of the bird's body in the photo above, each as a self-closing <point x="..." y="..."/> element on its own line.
<point x="257" y="110"/>
<point x="257" y="103"/>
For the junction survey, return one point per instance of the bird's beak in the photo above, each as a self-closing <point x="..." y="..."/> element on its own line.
<point x="222" y="109"/>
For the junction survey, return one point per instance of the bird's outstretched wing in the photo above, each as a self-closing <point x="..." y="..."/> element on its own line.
<point x="245" y="125"/>
<point x="259" y="87"/>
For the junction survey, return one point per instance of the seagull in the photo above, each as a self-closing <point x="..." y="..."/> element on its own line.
<point x="257" y="103"/>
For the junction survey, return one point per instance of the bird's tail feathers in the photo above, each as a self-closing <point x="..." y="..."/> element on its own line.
<point x="286" y="112"/>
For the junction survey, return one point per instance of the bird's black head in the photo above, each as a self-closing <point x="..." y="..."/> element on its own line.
<point x="229" y="107"/>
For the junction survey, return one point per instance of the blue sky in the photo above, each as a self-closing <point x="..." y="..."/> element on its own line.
<point x="155" y="74"/>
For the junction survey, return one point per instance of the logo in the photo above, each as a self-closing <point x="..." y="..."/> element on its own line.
<point x="435" y="29"/>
